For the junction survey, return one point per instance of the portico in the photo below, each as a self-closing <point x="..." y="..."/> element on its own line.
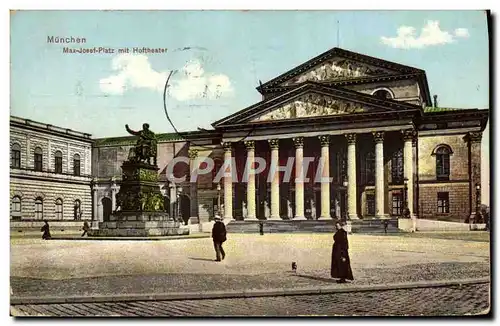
<point x="327" y="175"/>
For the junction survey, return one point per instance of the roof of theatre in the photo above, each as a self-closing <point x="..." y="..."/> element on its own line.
<point x="432" y="109"/>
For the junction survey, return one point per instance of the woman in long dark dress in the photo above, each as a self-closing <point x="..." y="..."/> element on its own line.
<point x="46" y="231"/>
<point x="341" y="264"/>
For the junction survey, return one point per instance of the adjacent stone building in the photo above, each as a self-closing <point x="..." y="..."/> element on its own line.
<point x="372" y="123"/>
<point x="50" y="174"/>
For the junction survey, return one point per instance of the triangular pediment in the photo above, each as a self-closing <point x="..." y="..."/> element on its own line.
<point x="338" y="69"/>
<point x="310" y="105"/>
<point x="338" y="64"/>
<point x="312" y="100"/>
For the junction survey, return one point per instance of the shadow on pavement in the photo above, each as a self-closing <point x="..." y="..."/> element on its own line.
<point x="203" y="259"/>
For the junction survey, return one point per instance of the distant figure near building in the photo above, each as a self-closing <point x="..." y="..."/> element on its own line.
<point x="341" y="264"/>
<point x="46" y="231"/>
<point x="85" y="228"/>
<point x="219" y="237"/>
<point x="386" y="225"/>
<point x="261" y="228"/>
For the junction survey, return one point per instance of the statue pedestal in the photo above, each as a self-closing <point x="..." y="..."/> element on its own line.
<point x="140" y="224"/>
<point x="142" y="212"/>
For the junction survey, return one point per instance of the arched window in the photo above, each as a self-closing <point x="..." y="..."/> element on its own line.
<point x="443" y="162"/>
<point x="77" y="210"/>
<point x="58" y="162"/>
<point x="397" y="168"/>
<point x="15" y="208"/>
<point x="15" y="156"/>
<point x="370" y="168"/>
<point x="38" y="159"/>
<point x="59" y="209"/>
<point x="76" y="164"/>
<point x="383" y="94"/>
<point x="39" y="208"/>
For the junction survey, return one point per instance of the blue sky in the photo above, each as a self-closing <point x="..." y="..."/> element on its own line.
<point x="229" y="52"/>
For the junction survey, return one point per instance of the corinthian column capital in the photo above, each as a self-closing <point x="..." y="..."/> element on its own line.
<point x="250" y="144"/>
<point x="298" y="142"/>
<point x="351" y="138"/>
<point x="274" y="143"/>
<point x="324" y="140"/>
<point x="378" y="136"/>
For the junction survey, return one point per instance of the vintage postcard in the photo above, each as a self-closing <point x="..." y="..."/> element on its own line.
<point x="249" y="163"/>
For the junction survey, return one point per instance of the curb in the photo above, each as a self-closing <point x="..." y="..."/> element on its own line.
<point x="245" y="293"/>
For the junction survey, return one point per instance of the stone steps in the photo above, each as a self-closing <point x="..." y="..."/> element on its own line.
<point x="308" y="226"/>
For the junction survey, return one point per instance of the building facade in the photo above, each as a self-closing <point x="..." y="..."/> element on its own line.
<point x="50" y="173"/>
<point x="368" y="131"/>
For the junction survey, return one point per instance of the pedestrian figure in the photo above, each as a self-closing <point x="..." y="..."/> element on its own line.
<point x="85" y="228"/>
<point x="46" y="231"/>
<point x="219" y="237"/>
<point x="341" y="264"/>
<point x="261" y="228"/>
<point x="386" y="225"/>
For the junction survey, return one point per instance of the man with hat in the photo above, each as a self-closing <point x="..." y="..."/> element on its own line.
<point x="219" y="237"/>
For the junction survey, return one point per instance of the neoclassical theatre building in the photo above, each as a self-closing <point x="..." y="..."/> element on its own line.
<point x="384" y="140"/>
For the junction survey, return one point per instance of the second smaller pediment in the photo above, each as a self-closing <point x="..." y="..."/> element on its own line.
<point x="312" y="105"/>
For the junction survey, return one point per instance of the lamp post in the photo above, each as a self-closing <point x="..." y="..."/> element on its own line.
<point x="406" y="210"/>
<point x="218" y="199"/>
<point x="478" y="203"/>
<point x="346" y="200"/>
<point x="179" y="191"/>
<point x="171" y="211"/>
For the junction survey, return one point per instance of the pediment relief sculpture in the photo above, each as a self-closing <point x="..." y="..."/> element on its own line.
<point x="337" y="69"/>
<point x="311" y="105"/>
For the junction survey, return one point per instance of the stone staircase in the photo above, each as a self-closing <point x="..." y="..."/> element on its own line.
<point x="309" y="226"/>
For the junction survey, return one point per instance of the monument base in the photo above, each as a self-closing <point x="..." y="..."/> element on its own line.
<point x="139" y="224"/>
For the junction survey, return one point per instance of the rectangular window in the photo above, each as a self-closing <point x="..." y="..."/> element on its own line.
<point x="443" y="203"/>
<point x="76" y="167"/>
<point x="38" y="210"/>
<point x="38" y="162"/>
<point x="370" y="204"/>
<point x="443" y="167"/>
<point x="397" y="203"/>
<point x="16" y="159"/>
<point x="58" y="164"/>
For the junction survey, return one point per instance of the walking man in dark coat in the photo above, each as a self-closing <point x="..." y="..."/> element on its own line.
<point x="85" y="228"/>
<point x="46" y="231"/>
<point x="341" y="264"/>
<point x="219" y="237"/>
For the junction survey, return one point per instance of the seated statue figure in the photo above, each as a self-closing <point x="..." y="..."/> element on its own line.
<point x="145" y="148"/>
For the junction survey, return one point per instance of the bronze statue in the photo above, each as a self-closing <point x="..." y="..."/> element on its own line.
<point x="145" y="148"/>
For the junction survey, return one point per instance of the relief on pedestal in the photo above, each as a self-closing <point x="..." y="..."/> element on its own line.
<point x="337" y="69"/>
<point x="312" y="105"/>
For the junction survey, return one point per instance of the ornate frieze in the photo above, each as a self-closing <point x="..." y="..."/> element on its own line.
<point x="312" y="105"/>
<point x="274" y="143"/>
<point x="337" y="69"/>
<point x="298" y="142"/>
<point x="351" y="138"/>
<point x="378" y="136"/>
<point x="324" y="140"/>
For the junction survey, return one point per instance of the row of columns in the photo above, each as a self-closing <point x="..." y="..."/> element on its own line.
<point x="408" y="136"/>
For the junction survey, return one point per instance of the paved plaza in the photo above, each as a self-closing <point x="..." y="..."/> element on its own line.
<point x="85" y="268"/>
